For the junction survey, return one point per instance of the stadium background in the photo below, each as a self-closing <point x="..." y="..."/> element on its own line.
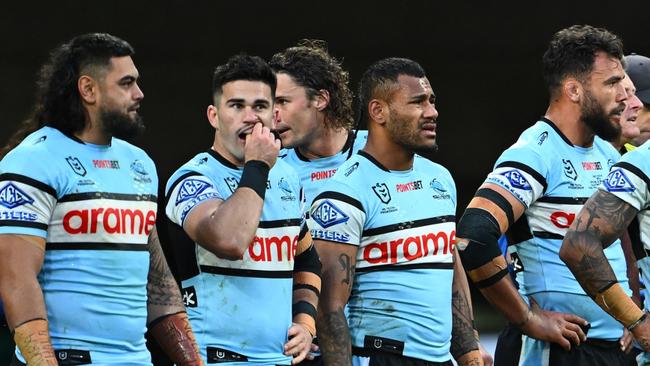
<point x="482" y="58"/>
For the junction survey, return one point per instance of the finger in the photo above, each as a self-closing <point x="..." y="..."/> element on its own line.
<point x="277" y="144"/>
<point x="314" y="347"/>
<point x="257" y="129"/>
<point x="266" y="132"/>
<point x="571" y="336"/>
<point x="292" y="344"/>
<point x="302" y="354"/>
<point x="577" y="329"/>
<point x="574" y="319"/>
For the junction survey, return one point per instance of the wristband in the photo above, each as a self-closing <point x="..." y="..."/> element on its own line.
<point x="636" y="323"/>
<point x="255" y="174"/>
<point x="616" y="303"/>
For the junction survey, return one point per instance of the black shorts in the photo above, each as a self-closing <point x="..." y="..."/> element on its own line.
<point x="593" y="352"/>
<point x="508" y="348"/>
<point x="317" y="361"/>
<point x="387" y="359"/>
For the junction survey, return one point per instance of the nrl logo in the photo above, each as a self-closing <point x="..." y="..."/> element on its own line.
<point x="76" y="166"/>
<point x="381" y="190"/>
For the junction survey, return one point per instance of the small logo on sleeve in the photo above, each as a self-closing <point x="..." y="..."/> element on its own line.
<point x="617" y="181"/>
<point x="190" y="188"/>
<point x="12" y="196"/>
<point x="327" y="214"/>
<point x="517" y="180"/>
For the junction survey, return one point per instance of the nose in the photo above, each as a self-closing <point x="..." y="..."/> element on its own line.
<point x="633" y="102"/>
<point x="251" y="116"/>
<point x="137" y="93"/>
<point x="621" y="93"/>
<point x="430" y="112"/>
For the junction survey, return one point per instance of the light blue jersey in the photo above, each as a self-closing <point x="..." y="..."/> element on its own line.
<point x="553" y="178"/>
<point x="240" y="310"/>
<point x="403" y="224"/>
<point x="628" y="180"/>
<point x="315" y="173"/>
<point x="95" y="206"/>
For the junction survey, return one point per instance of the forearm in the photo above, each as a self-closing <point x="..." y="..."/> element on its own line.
<point x="583" y="254"/>
<point x="334" y="337"/>
<point x="229" y="230"/>
<point x="174" y="334"/>
<point x="163" y="294"/>
<point x="306" y="286"/>
<point x="463" y="339"/>
<point x="33" y="341"/>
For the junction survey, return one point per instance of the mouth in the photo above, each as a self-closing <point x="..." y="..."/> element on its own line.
<point x="279" y="131"/>
<point x="243" y="132"/>
<point x="429" y="128"/>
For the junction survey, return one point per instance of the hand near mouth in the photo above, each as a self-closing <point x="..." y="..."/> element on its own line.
<point x="261" y="145"/>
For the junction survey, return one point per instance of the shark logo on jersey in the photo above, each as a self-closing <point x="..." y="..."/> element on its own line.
<point x="286" y="188"/>
<point x="437" y="186"/>
<point x="327" y="214"/>
<point x="76" y="166"/>
<point x="232" y="183"/>
<point x="12" y="196"/>
<point x="351" y="169"/>
<point x="569" y="170"/>
<point x="517" y="180"/>
<point x="617" y="181"/>
<point x="381" y="190"/>
<point x="141" y="174"/>
<point x="190" y="188"/>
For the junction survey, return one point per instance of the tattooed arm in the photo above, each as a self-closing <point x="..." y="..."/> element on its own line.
<point x="21" y="258"/>
<point x="464" y="343"/>
<point x="166" y="315"/>
<point x="338" y="262"/>
<point x="602" y="220"/>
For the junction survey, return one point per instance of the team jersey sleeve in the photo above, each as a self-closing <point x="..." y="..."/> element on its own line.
<point x="28" y="194"/>
<point x="337" y="215"/>
<point x="629" y="183"/>
<point x="186" y="193"/>
<point x="522" y="172"/>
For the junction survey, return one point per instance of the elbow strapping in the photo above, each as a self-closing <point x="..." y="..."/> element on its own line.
<point x="483" y="232"/>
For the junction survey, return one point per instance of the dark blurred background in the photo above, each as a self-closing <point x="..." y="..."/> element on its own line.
<point x="483" y="61"/>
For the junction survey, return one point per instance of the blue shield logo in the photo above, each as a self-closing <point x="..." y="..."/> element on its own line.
<point x="617" y="181"/>
<point x="12" y="196"/>
<point x="517" y="180"/>
<point x="327" y="214"/>
<point x="191" y="188"/>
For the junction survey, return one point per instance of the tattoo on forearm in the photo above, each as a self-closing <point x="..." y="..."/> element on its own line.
<point x="346" y="266"/>
<point x="176" y="336"/>
<point x="162" y="289"/>
<point x="334" y="339"/>
<point x="603" y="219"/>
<point x="36" y="348"/>
<point x="462" y="332"/>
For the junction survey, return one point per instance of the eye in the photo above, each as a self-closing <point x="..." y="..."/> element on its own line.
<point x="260" y="107"/>
<point x="237" y="105"/>
<point x="281" y="101"/>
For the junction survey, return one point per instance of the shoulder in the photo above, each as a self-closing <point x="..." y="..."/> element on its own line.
<point x="199" y="165"/>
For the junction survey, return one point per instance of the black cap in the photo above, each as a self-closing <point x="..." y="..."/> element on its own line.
<point x="638" y="69"/>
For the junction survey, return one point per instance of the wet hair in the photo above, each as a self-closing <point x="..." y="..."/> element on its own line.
<point x="572" y="51"/>
<point x="58" y="103"/>
<point x="313" y="68"/>
<point x="243" y="67"/>
<point x="380" y="80"/>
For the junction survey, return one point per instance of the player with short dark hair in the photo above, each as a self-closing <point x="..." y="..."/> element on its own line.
<point x="385" y="225"/>
<point x="536" y="188"/>
<point x="249" y="272"/>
